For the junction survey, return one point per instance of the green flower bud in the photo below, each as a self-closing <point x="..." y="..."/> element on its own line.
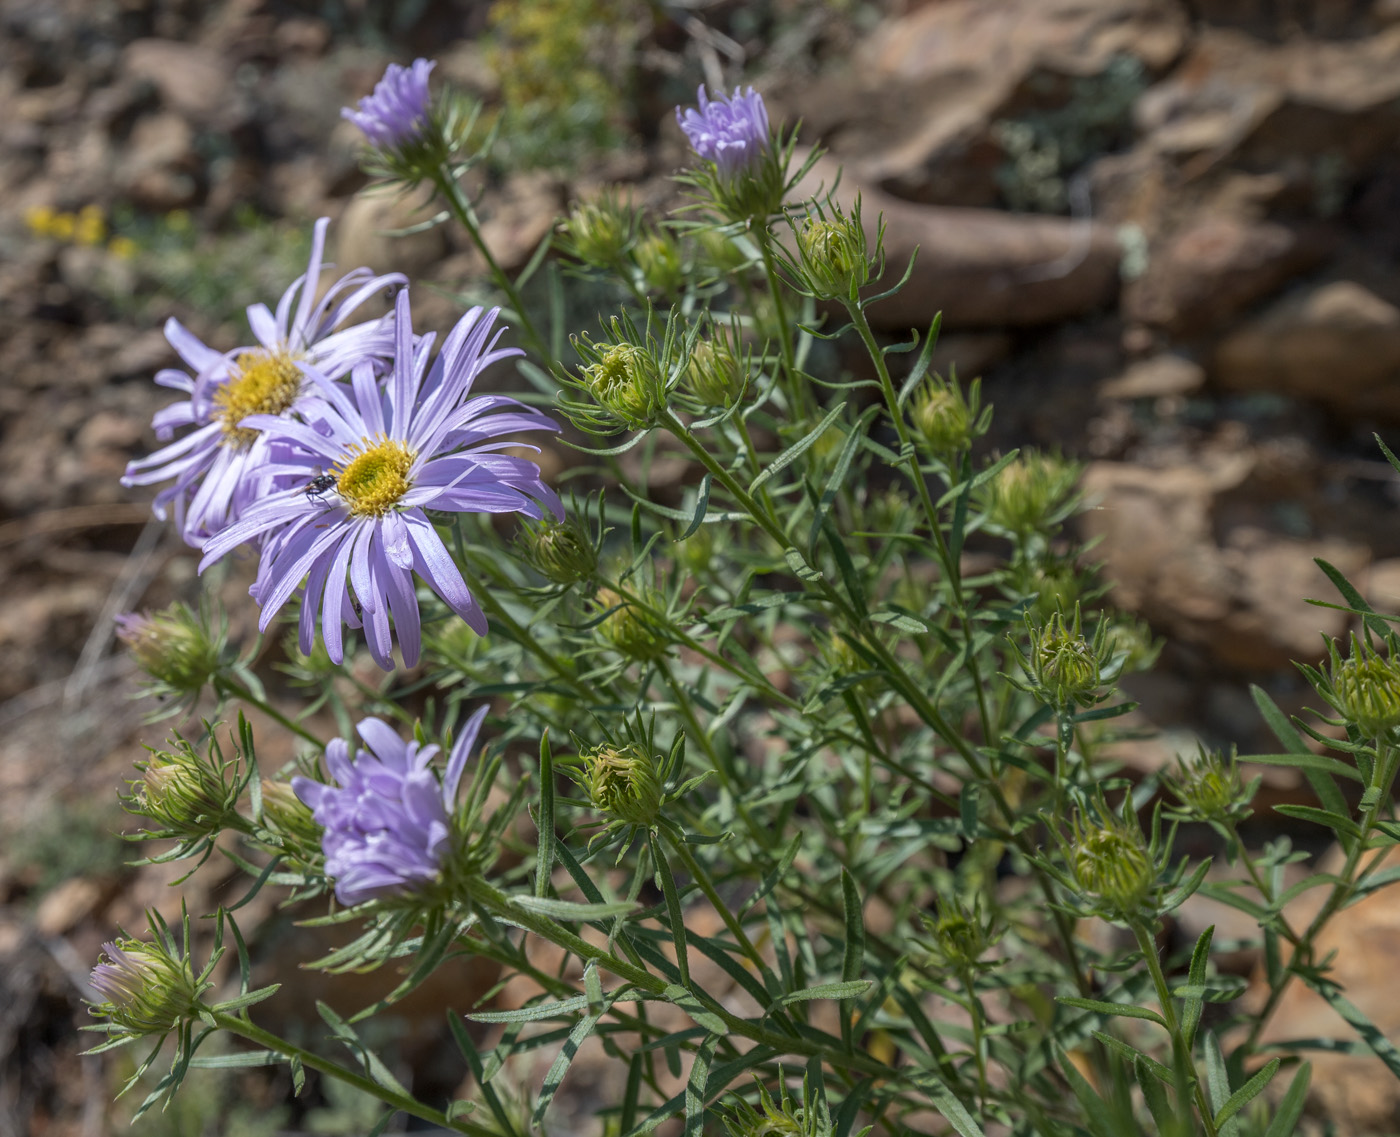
<point x="1366" y="689"/>
<point x="184" y="793"/>
<point x="1066" y="667"/>
<point x="783" y="1118"/>
<point x="288" y="816"/>
<point x="623" y="783"/>
<point x="629" y="630"/>
<point x="719" y="251"/>
<point x="833" y="255"/>
<point x="1209" y="786"/>
<point x="1025" y="496"/>
<point x="145" y="989"/>
<point x="941" y="415"/>
<point x="961" y="935"/>
<point x="627" y="382"/>
<point x="176" y="647"/>
<point x="600" y="232"/>
<point x="559" y="550"/>
<point x="714" y="375"/>
<point x="659" y="260"/>
<point x="1110" y="861"/>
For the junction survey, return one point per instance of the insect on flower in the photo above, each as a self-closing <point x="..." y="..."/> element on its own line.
<point x="317" y="486"/>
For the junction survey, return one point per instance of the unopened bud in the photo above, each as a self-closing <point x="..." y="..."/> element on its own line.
<point x="144" y="988"/>
<point x="942" y="416"/>
<point x="627" y="382"/>
<point x="1064" y="665"/>
<point x="185" y="793"/>
<point x="833" y="255"/>
<point x="1026" y="494"/>
<point x="714" y="375"/>
<point x="1110" y="860"/>
<point x="1208" y="785"/>
<point x="962" y="935"/>
<point x="175" y="647"/>
<point x="623" y="783"/>
<point x="287" y="815"/>
<point x="628" y="629"/>
<point x="659" y="261"/>
<point x="1366" y="687"/>
<point x="601" y="231"/>
<point x="560" y="550"/>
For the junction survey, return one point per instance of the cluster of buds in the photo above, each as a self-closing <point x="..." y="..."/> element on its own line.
<point x="600" y="232"/>
<point x="947" y="420"/>
<point x="1064" y="668"/>
<point x="1364" y="687"/>
<point x="181" y="650"/>
<point x="560" y="551"/>
<point x="1031" y="493"/>
<point x="833" y="261"/>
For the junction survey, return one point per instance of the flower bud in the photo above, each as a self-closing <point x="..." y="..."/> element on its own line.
<point x="1065" y="666"/>
<point x="628" y="629"/>
<point x="183" y="792"/>
<point x="559" y="550"/>
<point x="720" y="252"/>
<point x="714" y="375"/>
<point x="941" y="414"/>
<point x="144" y="988"/>
<point x="627" y="382"/>
<point x="833" y="255"/>
<point x="288" y="816"/>
<point x="176" y="647"/>
<point x="599" y="232"/>
<point x="1110" y="861"/>
<point x="659" y="261"/>
<point x="1209" y="786"/>
<point x="1027" y="493"/>
<point x="1366" y="689"/>
<point x="622" y="782"/>
<point x="961" y="935"/>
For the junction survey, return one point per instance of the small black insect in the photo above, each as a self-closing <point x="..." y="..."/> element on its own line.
<point x="319" y="485"/>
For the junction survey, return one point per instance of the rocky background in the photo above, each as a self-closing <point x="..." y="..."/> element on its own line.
<point x="1163" y="231"/>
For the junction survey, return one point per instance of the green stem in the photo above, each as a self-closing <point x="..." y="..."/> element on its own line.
<point x="245" y="1028"/>
<point x="702" y="878"/>
<point x="451" y="191"/>
<point x="224" y="687"/>
<point x="1148" y="947"/>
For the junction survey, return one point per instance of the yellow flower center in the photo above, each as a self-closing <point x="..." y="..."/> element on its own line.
<point x="262" y="383"/>
<point x="373" y="478"/>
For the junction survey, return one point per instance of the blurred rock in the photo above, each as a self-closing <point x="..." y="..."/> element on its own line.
<point x="1216" y="268"/>
<point x="364" y="234"/>
<point x="1362" y="942"/>
<point x="1158" y="377"/>
<point x="981" y="267"/>
<point x="193" y="80"/>
<point x="157" y="163"/>
<point x="1239" y="597"/>
<point x="1337" y="344"/>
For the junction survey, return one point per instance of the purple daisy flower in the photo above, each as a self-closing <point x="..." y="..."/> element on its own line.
<point x="362" y="476"/>
<point x="397" y="112"/>
<point x="218" y="469"/>
<point x="387" y="820"/>
<point x="730" y="131"/>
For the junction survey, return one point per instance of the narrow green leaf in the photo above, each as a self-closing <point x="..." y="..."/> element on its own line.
<point x="702" y="503"/>
<point x="1218" y="1084"/>
<point x="544" y="857"/>
<point x="237" y="1060"/>
<point x="1326" y="789"/>
<point x="696" y="1009"/>
<point x="695" y="1086"/>
<point x="560" y="1066"/>
<point x="901" y="620"/>
<point x="854" y="953"/>
<point x="1247" y="1092"/>
<point x="673" y="908"/>
<point x="968" y="801"/>
<point x="1132" y="1054"/>
<point x="533" y="1012"/>
<point x="1196" y="976"/>
<point x="826" y="991"/>
<point x="839" y="472"/>
<point x="1154" y="1094"/>
<point x="947" y="1103"/>
<point x="797" y="449"/>
<point x="1339" y="823"/>
<point x="1290" y="1108"/>
<point x="1352" y="597"/>
<point x="1093" y="1106"/>
<point x="1309" y="761"/>
<point x="1384" y="1049"/>
<point x="569" y="910"/>
<point x="1125" y="1010"/>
